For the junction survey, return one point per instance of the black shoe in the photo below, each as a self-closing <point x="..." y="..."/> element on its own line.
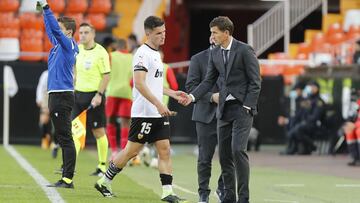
<point x="203" y="199"/>
<point x="354" y="163"/>
<point x="103" y="189"/>
<point x="62" y="184"/>
<point x="173" y="199"/>
<point x="98" y="173"/>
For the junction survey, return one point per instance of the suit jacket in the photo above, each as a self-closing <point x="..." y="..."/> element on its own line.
<point x="241" y="75"/>
<point x="204" y="110"/>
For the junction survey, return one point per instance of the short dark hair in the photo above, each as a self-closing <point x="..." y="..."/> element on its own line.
<point x="152" y="22"/>
<point x="85" y="24"/>
<point x="132" y="36"/>
<point x="121" y="43"/>
<point x="223" y="23"/>
<point x="68" y="22"/>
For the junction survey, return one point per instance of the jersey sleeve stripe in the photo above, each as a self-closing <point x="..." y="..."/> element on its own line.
<point x="140" y="68"/>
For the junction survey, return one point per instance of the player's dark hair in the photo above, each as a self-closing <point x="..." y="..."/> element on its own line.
<point x="152" y="22"/>
<point x="68" y="22"/>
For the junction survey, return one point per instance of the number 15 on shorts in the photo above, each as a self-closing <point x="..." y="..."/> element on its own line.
<point x="146" y="128"/>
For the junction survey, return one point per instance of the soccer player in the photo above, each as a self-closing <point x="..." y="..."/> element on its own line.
<point x="149" y="116"/>
<point x="92" y="76"/>
<point x="61" y="86"/>
<point x="118" y="96"/>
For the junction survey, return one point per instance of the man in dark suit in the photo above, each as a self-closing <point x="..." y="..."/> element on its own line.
<point x="205" y="121"/>
<point x="238" y="96"/>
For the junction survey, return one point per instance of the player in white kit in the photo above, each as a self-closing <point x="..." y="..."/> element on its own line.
<point x="149" y="116"/>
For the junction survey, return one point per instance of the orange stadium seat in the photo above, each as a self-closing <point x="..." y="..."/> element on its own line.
<point x="9" y="33"/>
<point x="35" y="46"/>
<point x="9" y="5"/>
<point x="76" y="6"/>
<point x="30" y="20"/>
<point x="100" y="6"/>
<point x="97" y="20"/>
<point x="318" y="42"/>
<point x="336" y="38"/>
<point x="31" y="34"/>
<point x="8" y="20"/>
<point x="333" y="29"/>
<point x="304" y="49"/>
<point x="353" y="33"/>
<point x="57" y="6"/>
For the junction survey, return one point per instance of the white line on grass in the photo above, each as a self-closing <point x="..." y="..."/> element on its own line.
<point x="51" y="193"/>
<point x="347" y="185"/>
<point x="289" y="185"/>
<point x="282" y="201"/>
<point x="184" y="189"/>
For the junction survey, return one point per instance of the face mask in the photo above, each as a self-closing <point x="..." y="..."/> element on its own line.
<point x="293" y="94"/>
<point x="307" y="91"/>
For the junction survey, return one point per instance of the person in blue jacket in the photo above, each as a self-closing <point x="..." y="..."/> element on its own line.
<point x="61" y="86"/>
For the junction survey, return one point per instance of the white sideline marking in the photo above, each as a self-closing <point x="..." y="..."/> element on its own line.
<point x="51" y="193"/>
<point x="289" y="185"/>
<point x="184" y="189"/>
<point x="282" y="201"/>
<point x="347" y="185"/>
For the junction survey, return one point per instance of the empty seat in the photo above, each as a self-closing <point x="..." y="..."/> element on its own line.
<point x="31" y="34"/>
<point x="333" y="29"/>
<point x="9" y="49"/>
<point x="32" y="49"/>
<point x="336" y="38"/>
<point x="30" y="20"/>
<point x="354" y="32"/>
<point x="317" y="42"/>
<point x="100" y="6"/>
<point x="97" y="20"/>
<point x="9" y="33"/>
<point x="57" y="6"/>
<point x="76" y="6"/>
<point x="8" y="20"/>
<point x="9" y="5"/>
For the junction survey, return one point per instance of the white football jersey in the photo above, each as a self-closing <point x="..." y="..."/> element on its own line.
<point x="149" y="60"/>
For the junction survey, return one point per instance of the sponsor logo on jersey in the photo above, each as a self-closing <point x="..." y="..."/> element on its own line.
<point x="158" y="74"/>
<point x="140" y="136"/>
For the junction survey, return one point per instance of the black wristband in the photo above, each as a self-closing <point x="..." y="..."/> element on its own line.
<point x="46" y="6"/>
<point x="101" y="94"/>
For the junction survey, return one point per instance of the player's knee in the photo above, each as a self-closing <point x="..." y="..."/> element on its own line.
<point x="111" y="120"/>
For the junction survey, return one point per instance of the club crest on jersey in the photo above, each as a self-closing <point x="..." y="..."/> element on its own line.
<point x="158" y="74"/>
<point x="140" y="136"/>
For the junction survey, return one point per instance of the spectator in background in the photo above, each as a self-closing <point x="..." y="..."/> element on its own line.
<point x="133" y="43"/>
<point x="170" y="80"/>
<point x="42" y="102"/>
<point x="356" y="58"/>
<point x="291" y="115"/>
<point x="119" y="96"/>
<point x="109" y="43"/>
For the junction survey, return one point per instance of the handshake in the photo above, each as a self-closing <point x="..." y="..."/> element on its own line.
<point x="40" y="5"/>
<point x="182" y="98"/>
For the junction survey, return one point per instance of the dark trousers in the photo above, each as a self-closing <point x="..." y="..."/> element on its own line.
<point x="233" y="134"/>
<point x="207" y="141"/>
<point x="60" y="106"/>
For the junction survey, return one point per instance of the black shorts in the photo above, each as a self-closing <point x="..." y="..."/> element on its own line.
<point x="95" y="117"/>
<point x="149" y="130"/>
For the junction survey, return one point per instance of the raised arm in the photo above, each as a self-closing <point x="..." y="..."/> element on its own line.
<point x="53" y="30"/>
